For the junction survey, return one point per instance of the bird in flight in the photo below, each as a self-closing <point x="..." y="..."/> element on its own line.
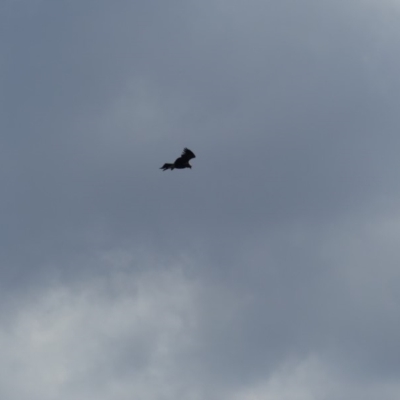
<point x="181" y="162"/>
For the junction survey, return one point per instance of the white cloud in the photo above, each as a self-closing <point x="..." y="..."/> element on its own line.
<point x="106" y="339"/>
<point x="313" y="379"/>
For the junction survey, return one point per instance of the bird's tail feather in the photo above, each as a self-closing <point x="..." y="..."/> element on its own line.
<point x="167" y="166"/>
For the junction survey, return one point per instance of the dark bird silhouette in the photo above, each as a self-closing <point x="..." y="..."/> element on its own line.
<point x="181" y="162"/>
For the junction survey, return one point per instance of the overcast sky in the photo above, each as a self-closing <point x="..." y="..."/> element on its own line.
<point x="270" y="270"/>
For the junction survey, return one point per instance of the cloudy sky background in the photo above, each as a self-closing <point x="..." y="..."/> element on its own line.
<point x="268" y="271"/>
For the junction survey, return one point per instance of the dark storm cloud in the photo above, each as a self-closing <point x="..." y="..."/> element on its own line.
<point x="291" y="110"/>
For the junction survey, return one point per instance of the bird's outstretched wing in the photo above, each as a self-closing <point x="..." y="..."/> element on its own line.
<point x="187" y="154"/>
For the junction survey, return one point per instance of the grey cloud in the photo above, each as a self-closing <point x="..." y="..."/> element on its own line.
<point x="291" y="111"/>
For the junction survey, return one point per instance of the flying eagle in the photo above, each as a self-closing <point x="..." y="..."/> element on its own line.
<point x="181" y="162"/>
